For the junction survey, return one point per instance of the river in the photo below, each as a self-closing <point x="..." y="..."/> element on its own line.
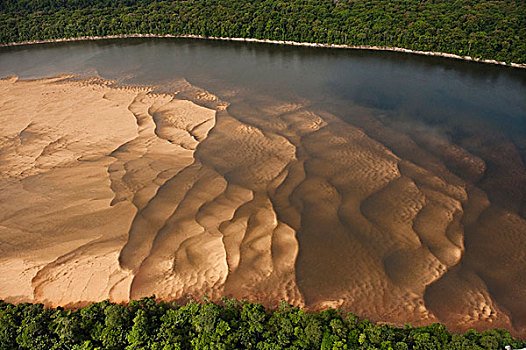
<point x="405" y="188"/>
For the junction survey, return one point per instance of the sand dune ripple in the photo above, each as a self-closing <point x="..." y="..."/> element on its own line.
<point x="120" y="192"/>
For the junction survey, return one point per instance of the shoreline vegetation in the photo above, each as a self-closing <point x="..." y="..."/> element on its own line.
<point x="477" y="30"/>
<point x="229" y="324"/>
<point x="274" y="42"/>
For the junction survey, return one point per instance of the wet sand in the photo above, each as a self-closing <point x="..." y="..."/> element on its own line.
<point x="120" y="192"/>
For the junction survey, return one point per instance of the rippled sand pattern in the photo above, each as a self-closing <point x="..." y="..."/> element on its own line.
<point x="119" y="192"/>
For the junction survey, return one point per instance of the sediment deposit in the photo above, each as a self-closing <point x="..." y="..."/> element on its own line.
<point x="120" y="192"/>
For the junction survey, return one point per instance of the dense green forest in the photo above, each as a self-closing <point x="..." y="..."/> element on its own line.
<point x="478" y="28"/>
<point x="230" y="324"/>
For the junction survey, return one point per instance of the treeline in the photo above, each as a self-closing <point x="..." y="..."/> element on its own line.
<point x="478" y="28"/>
<point x="148" y="324"/>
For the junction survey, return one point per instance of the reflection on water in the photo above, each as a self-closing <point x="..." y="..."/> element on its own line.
<point x="396" y="175"/>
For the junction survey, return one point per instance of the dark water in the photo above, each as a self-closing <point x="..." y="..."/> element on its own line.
<point x="442" y="105"/>
<point x="426" y="88"/>
<point x="449" y="98"/>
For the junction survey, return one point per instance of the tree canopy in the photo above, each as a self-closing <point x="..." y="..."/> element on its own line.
<point x="494" y="29"/>
<point x="230" y="324"/>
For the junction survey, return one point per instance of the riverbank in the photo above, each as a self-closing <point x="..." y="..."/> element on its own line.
<point x="275" y="42"/>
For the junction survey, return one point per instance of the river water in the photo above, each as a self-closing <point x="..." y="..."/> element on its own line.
<point x="455" y="132"/>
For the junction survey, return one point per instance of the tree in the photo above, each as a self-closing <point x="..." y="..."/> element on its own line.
<point x="117" y="324"/>
<point x="33" y="332"/>
<point x="9" y="324"/>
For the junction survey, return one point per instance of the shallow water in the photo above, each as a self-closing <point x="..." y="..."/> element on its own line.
<point x="401" y="177"/>
<point x="426" y="89"/>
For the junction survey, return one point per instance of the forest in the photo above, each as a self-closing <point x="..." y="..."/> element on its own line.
<point x="477" y="28"/>
<point x="228" y="324"/>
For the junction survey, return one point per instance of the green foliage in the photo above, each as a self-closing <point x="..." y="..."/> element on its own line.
<point x="230" y="324"/>
<point x="491" y="29"/>
<point x="117" y="325"/>
<point x="9" y="324"/>
<point x="33" y="332"/>
<point x="252" y="324"/>
<point x="67" y="326"/>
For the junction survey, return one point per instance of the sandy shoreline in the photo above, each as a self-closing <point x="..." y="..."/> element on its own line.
<point x="79" y="159"/>
<point x="118" y="193"/>
<point x="276" y="42"/>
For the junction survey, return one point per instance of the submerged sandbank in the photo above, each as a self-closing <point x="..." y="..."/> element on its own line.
<point x="119" y="192"/>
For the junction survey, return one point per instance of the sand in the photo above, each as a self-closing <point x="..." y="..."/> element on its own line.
<point x="111" y="192"/>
